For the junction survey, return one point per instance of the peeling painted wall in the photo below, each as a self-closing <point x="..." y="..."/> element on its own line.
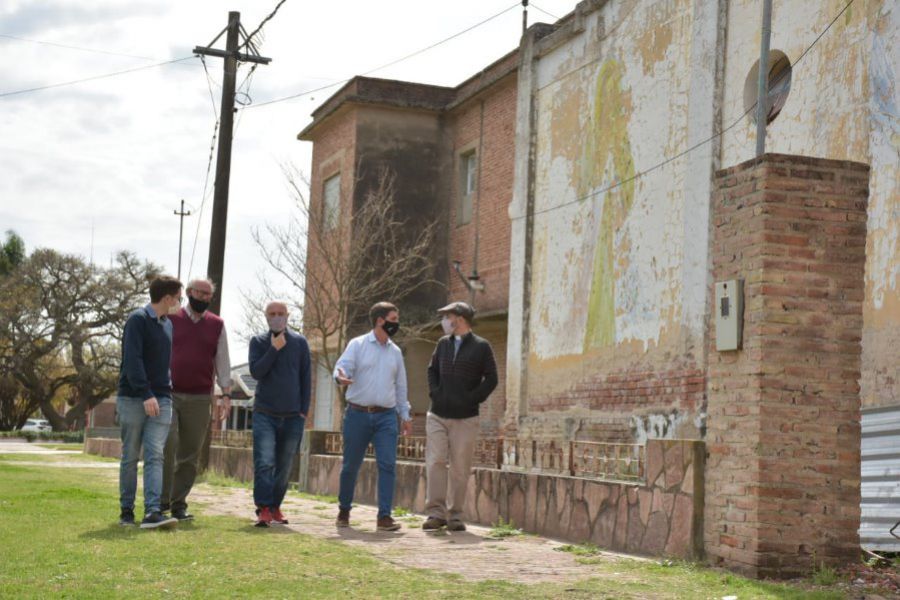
<point x="610" y="264"/>
<point x="618" y="280"/>
<point x="843" y="104"/>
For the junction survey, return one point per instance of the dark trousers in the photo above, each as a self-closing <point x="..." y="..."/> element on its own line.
<point x="190" y="422"/>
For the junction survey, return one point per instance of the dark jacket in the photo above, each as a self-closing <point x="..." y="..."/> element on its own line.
<point x="458" y="385"/>
<point x="283" y="376"/>
<point x="146" y="352"/>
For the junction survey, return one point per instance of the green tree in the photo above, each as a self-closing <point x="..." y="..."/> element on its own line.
<point x="60" y="325"/>
<point x="12" y="253"/>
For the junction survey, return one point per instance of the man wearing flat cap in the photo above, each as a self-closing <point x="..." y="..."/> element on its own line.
<point x="461" y="376"/>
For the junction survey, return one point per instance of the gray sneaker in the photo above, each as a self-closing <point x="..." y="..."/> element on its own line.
<point x="456" y="525"/>
<point x="433" y="524"/>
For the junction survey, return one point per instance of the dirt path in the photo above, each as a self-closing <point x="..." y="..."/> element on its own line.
<point x="471" y="554"/>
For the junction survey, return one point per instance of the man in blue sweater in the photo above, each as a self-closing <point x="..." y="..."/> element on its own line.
<point x="280" y="363"/>
<point x="144" y="400"/>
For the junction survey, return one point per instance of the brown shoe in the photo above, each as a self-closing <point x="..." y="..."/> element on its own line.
<point x="456" y="525"/>
<point x="387" y="524"/>
<point x="433" y="524"/>
<point x="343" y="518"/>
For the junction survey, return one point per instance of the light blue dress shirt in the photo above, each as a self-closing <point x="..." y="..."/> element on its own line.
<point x="378" y="374"/>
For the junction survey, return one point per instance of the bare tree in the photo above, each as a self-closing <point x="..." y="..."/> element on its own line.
<point x="337" y="265"/>
<point x="60" y="334"/>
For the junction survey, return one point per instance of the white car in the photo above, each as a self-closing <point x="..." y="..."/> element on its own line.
<point x="37" y="425"/>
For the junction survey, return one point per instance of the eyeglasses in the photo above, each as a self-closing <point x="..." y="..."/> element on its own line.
<point x="202" y="295"/>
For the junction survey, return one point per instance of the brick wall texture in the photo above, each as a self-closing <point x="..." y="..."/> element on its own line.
<point x="783" y="472"/>
<point x="463" y="127"/>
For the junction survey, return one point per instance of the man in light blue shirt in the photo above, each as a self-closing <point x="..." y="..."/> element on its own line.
<point x="372" y="369"/>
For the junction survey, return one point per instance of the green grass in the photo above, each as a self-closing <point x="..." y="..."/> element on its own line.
<point x="586" y="549"/>
<point x="504" y="529"/>
<point x="217" y="480"/>
<point x="59" y="538"/>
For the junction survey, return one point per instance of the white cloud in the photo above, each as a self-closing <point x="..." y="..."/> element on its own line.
<point x="118" y="154"/>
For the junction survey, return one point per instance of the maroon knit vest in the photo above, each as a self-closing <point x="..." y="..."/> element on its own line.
<point x="194" y="352"/>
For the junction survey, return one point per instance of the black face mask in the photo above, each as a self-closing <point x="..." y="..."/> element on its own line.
<point x="391" y="328"/>
<point x="198" y="306"/>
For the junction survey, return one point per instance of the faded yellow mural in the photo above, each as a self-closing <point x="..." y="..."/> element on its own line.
<point x="607" y="146"/>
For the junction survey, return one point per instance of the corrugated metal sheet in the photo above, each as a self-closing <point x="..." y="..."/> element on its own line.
<point x="880" y="478"/>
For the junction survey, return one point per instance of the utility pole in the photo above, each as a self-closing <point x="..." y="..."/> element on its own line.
<point x="231" y="54"/>
<point x="524" y="16"/>
<point x="181" y="216"/>
<point x="762" y="96"/>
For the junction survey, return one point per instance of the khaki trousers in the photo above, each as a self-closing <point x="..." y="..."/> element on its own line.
<point x="449" y="449"/>
<point x="190" y="419"/>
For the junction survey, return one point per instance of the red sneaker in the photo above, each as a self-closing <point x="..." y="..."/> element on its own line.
<point x="278" y="518"/>
<point x="263" y="517"/>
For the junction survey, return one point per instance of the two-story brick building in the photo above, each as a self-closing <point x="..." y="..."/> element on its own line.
<point x="450" y="151"/>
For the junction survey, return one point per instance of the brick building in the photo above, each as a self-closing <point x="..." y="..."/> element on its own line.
<point x="618" y="185"/>
<point x="450" y="152"/>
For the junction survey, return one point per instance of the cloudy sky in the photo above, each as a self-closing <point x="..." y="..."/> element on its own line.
<point x="99" y="166"/>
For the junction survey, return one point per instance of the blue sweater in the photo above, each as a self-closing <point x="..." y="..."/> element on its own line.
<point x="146" y="353"/>
<point x="283" y="376"/>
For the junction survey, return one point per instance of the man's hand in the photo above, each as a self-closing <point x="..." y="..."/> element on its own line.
<point x="342" y="377"/>
<point x="405" y="428"/>
<point x="278" y="341"/>
<point x="224" y="408"/>
<point x="151" y="407"/>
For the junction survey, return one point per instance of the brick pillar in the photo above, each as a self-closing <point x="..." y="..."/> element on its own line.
<point x="783" y="473"/>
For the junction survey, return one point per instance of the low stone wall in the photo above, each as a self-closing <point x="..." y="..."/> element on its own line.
<point x="661" y="517"/>
<point x="233" y="462"/>
<point x="108" y="447"/>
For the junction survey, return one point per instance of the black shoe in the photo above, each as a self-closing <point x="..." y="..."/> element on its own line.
<point x="433" y="524"/>
<point x="156" y="520"/>
<point x="456" y="525"/>
<point x="126" y="517"/>
<point x="182" y="515"/>
<point x="343" y="518"/>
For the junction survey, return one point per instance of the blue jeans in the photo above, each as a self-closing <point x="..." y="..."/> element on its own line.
<point x="138" y="430"/>
<point x="361" y="429"/>
<point x="276" y="441"/>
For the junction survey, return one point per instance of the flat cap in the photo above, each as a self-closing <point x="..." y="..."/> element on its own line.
<point x="458" y="308"/>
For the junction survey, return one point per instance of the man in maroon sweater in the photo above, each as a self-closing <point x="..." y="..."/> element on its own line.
<point x="199" y="350"/>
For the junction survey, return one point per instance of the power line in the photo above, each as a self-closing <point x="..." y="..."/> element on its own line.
<point x="549" y="14"/>
<point x="392" y="63"/>
<point x="268" y="18"/>
<point x="79" y="48"/>
<point x="209" y="82"/>
<point x="204" y="196"/>
<point x="692" y="148"/>
<point x="95" y="77"/>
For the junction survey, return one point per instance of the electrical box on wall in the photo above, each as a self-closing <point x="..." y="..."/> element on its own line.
<point x="729" y="309"/>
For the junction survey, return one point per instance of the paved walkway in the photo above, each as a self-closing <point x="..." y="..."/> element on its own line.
<point x="16" y="447"/>
<point x="472" y="554"/>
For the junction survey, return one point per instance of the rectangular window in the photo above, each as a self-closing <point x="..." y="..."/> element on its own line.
<point x="331" y="202"/>
<point x="468" y="171"/>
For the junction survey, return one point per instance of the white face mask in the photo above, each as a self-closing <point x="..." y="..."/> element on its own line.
<point x="447" y="325"/>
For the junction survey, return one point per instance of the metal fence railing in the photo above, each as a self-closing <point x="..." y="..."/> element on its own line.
<point x="232" y="438"/>
<point x="592" y="460"/>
